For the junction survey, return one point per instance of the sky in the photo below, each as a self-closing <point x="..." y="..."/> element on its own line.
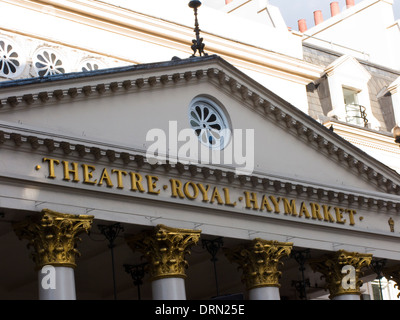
<point x="294" y="10"/>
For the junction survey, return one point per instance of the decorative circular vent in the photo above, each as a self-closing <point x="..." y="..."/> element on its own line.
<point x="10" y="59"/>
<point x="209" y="123"/>
<point x="47" y="62"/>
<point x="88" y="65"/>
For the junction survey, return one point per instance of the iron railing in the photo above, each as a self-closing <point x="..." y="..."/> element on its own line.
<point x="356" y="114"/>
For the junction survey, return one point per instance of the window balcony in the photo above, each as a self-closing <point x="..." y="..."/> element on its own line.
<point x="355" y="114"/>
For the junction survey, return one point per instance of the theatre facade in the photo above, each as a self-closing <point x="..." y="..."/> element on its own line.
<point x="184" y="179"/>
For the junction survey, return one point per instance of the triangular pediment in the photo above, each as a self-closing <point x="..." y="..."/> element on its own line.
<point x="109" y="114"/>
<point x="348" y="67"/>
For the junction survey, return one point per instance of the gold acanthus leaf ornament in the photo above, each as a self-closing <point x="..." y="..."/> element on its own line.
<point x="165" y="249"/>
<point x="53" y="236"/>
<point x="331" y="266"/>
<point x="260" y="261"/>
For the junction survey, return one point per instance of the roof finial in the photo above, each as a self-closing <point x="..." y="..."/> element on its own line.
<point x="198" y="44"/>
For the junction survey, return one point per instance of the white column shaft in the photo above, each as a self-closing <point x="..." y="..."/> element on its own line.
<point x="347" y="297"/>
<point x="56" y="283"/>
<point x="264" y="293"/>
<point x="169" y="289"/>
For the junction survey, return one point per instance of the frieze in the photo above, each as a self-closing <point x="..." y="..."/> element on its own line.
<point x="196" y="191"/>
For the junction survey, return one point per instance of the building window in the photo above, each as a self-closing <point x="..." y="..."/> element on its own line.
<point x="355" y="113"/>
<point x="349" y="95"/>
<point x="209" y="122"/>
<point x="376" y="291"/>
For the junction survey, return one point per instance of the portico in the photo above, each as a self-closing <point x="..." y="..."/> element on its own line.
<point x="79" y="150"/>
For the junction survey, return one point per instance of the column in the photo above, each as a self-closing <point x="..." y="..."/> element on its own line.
<point x="259" y="261"/>
<point x="165" y="249"/>
<point x="342" y="271"/>
<point x="53" y="237"/>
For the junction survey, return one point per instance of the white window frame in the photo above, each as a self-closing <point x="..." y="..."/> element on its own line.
<point x="346" y="72"/>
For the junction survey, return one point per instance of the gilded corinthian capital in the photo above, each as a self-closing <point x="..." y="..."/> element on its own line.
<point x="260" y="260"/>
<point x="165" y="249"/>
<point x="342" y="270"/>
<point x="53" y="236"/>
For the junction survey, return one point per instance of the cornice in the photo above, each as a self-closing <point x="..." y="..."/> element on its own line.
<point x="96" y="153"/>
<point x="363" y="136"/>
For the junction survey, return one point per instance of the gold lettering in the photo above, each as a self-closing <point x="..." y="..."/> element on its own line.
<point x="191" y="191"/>
<point x="176" y="187"/>
<point x="67" y="171"/>
<point x="339" y="215"/>
<point x="315" y="208"/>
<point x="216" y="195"/>
<point x="119" y="177"/>
<point x="275" y="202"/>
<point x="327" y="214"/>
<point x="195" y="190"/>
<point x="251" y="200"/>
<point x="227" y="198"/>
<point x="51" y="166"/>
<point x="304" y="210"/>
<point x="151" y="184"/>
<point x="204" y="191"/>
<point x="265" y="204"/>
<point x="105" y="176"/>
<point x="136" y="181"/>
<point x="290" y="208"/>
<point x="88" y="175"/>
<point x="351" y="216"/>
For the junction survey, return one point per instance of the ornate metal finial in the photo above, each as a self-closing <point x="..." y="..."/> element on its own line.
<point x="198" y="44"/>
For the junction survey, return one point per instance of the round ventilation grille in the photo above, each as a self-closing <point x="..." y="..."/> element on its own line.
<point x="209" y="123"/>
<point x="10" y="59"/>
<point x="48" y="62"/>
<point x="88" y="65"/>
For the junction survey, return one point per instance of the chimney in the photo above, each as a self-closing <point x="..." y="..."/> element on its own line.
<point x="302" y="25"/>
<point x="349" y="3"/>
<point x="335" y="8"/>
<point x="228" y="1"/>
<point x="318" y="18"/>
